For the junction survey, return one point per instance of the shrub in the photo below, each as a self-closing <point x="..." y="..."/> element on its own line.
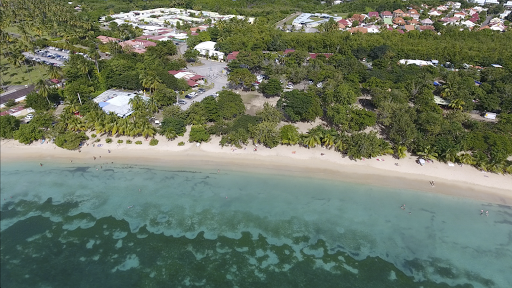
<point x="108" y="140"/>
<point x="153" y="142"/>
<point x="128" y="141"/>
<point x="119" y="141"/>
<point x="138" y="142"/>
<point x="10" y="103"/>
<point x="181" y="143"/>
<point x="97" y="140"/>
<point x="93" y="135"/>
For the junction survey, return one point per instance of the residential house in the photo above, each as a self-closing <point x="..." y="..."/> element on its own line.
<point x="442" y="8"/>
<point x="287" y="51"/>
<point x="314" y="55"/>
<point x="414" y="14"/>
<point x="413" y="22"/>
<point x="191" y="78"/>
<point x="468" y="24"/>
<point x="409" y="28"/>
<point x="341" y="26"/>
<point x="498" y="27"/>
<point x="106" y="39"/>
<point x="399" y="21"/>
<point x="434" y="12"/>
<point x="491" y="2"/>
<point x="232" y="56"/>
<point x="426" y="27"/>
<point x="508" y="4"/>
<point x="358" y="30"/>
<point x="398" y="13"/>
<point x="358" y="17"/>
<point x="427" y="21"/>
<point x="459" y="15"/>
<point x="207" y="48"/>
<point x="387" y="17"/>
<point x="137" y="45"/>
<point x="373" y="29"/>
<point x="374" y="15"/>
<point x="345" y="22"/>
<point x="386" y="14"/>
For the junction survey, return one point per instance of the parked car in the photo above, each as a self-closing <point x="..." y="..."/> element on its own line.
<point x="191" y="95"/>
<point x="182" y="102"/>
<point x="201" y="90"/>
<point x="320" y="85"/>
<point x="29" y="117"/>
<point x="289" y="86"/>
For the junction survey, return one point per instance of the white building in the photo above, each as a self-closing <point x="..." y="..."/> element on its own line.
<point x="208" y="48"/>
<point x="117" y="101"/>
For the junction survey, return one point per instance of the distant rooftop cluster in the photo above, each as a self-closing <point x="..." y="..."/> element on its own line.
<point x="161" y="17"/>
<point x="408" y="20"/>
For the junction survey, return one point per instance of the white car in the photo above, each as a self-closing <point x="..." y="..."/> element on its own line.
<point x="29" y="117"/>
<point x="320" y="85"/>
<point x="289" y="86"/>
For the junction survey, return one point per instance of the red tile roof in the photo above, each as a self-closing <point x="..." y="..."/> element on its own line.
<point x="232" y="55"/>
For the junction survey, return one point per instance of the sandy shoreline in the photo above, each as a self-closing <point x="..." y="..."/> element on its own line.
<point x="296" y="161"/>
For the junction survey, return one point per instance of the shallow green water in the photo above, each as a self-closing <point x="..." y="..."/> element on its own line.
<point x="70" y="226"/>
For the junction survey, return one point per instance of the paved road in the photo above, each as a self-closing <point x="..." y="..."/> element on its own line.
<point x="281" y="23"/>
<point x="487" y="20"/>
<point x="212" y="70"/>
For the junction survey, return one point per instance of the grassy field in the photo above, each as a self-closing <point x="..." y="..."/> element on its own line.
<point x="18" y="75"/>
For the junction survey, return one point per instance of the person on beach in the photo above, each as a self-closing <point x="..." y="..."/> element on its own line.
<point x="94" y="157"/>
<point x="108" y="151"/>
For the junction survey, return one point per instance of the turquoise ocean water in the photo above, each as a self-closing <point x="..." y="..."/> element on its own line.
<point x="70" y="225"/>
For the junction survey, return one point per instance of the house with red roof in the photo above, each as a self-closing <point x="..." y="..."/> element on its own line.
<point x="106" y="39"/>
<point x="345" y="22"/>
<point x="414" y="14"/>
<point x="232" y="56"/>
<point x="288" y="51"/>
<point x="373" y="14"/>
<point x="426" y="27"/>
<point x="399" y="21"/>
<point x="191" y="78"/>
<point x="398" y="13"/>
<point x="386" y="14"/>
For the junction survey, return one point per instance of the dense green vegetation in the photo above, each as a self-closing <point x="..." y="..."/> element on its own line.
<point x="370" y="107"/>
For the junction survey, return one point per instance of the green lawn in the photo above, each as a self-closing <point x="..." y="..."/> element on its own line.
<point x="18" y="75"/>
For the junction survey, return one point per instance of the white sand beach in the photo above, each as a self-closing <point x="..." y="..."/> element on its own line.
<point x="465" y="181"/>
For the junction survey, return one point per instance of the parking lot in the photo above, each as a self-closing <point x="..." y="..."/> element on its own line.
<point x="49" y="56"/>
<point x="212" y="70"/>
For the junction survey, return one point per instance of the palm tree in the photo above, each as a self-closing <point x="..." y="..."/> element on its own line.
<point x="467" y="158"/>
<point x="170" y="134"/>
<point x="428" y="153"/>
<point x="43" y="89"/>
<point x="450" y="155"/>
<point x="84" y="68"/>
<point x="150" y="81"/>
<point x="312" y="139"/>
<point x="457" y="104"/>
<point x="328" y="140"/>
<point x="338" y="143"/>
<point x="137" y="103"/>
<point x="401" y="151"/>
<point x="54" y="72"/>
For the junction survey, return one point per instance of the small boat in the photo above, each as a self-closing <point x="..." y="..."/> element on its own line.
<point x="130" y="207"/>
